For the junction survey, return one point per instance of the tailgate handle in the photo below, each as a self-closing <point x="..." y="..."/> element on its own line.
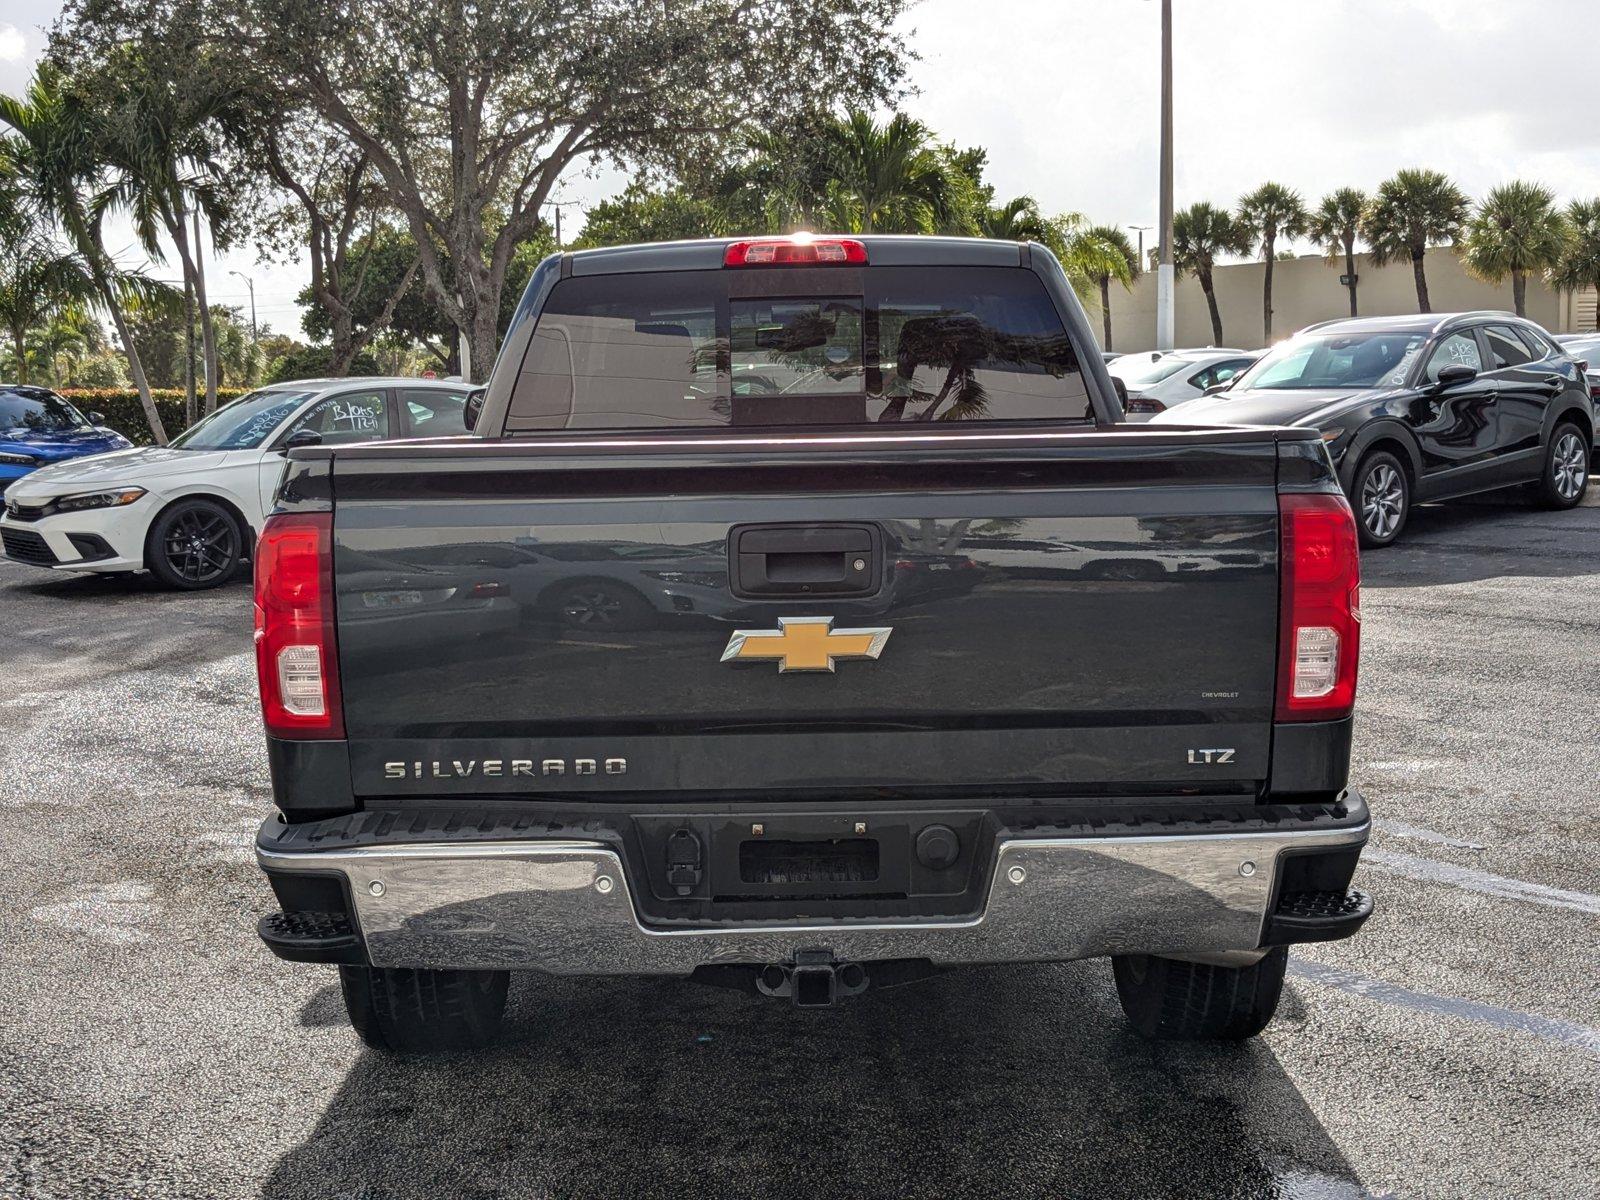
<point x="789" y="561"/>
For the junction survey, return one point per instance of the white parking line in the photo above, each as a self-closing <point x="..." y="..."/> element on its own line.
<point x="1550" y="1029"/>
<point x="1417" y="832"/>
<point x="1414" y="867"/>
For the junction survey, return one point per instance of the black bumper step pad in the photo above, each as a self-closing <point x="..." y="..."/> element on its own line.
<point x="322" y="937"/>
<point x="1317" y="916"/>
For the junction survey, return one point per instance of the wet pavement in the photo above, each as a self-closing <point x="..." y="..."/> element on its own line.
<point x="150" y="1047"/>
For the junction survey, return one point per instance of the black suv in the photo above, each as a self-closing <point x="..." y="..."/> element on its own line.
<point x="1420" y="408"/>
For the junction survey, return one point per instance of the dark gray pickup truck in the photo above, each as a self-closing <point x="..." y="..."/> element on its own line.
<point x="801" y="617"/>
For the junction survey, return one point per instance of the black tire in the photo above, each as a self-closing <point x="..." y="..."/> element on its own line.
<point x="424" y="1011"/>
<point x="1564" y="479"/>
<point x="1166" y="999"/>
<point x="194" y="545"/>
<point x="1380" y="492"/>
<point x="599" y="606"/>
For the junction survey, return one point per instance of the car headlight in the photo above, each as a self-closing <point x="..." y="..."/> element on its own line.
<point x="115" y="499"/>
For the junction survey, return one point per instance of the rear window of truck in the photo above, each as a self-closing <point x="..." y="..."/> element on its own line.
<point x="693" y="349"/>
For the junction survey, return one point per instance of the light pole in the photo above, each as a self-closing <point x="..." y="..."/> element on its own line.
<point x="1164" y="271"/>
<point x="1140" y="229"/>
<point x="255" y="338"/>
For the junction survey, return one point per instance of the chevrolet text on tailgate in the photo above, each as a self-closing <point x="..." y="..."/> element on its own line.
<point x="801" y="617"/>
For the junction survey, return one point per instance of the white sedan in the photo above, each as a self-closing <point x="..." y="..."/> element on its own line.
<point x="189" y="512"/>
<point x="1157" y="381"/>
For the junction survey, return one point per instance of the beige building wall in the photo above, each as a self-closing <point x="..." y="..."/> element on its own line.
<point x="1307" y="289"/>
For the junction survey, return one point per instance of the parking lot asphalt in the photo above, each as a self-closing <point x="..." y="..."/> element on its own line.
<point x="149" y="1046"/>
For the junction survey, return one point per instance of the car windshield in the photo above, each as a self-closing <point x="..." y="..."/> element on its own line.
<point x="1334" y="359"/>
<point x="37" y="411"/>
<point x="1135" y="370"/>
<point x="244" y="424"/>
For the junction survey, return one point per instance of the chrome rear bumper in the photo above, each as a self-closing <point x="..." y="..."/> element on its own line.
<point x="566" y="907"/>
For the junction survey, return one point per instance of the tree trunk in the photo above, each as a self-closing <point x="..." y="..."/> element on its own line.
<point x="19" y="347"/>
<point x="1350" y="270"/>
<point x="1422" y="282"/>
<point x="208" y="343"/>
<point x="1211" y="303"/>
<point x="1266" y="298"/>
<point x="152" y="415"/>
<point x="191" y="410"/>
<point x="485" y="338"/>
<point x="1105" y="306"/>
<point x="1519" y="291"/>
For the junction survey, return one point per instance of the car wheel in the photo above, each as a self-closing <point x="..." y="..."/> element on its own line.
<point x="601" y="607"/>
<point x="421" y="1011"/>
<point x="194" y="544"/>
<point x="1566" y="468"/>
<point x="1167" y="999"/>
<point x="1381" y="496"/>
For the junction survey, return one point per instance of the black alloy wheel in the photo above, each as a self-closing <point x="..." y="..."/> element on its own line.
<point x="195" y="544"/>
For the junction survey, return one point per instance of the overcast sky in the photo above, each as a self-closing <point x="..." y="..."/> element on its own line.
<point x="1312" y="93"/>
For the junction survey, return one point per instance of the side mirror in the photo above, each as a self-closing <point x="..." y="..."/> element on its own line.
<point x="96" y="418"/>
<point x="301" y="438"/>
<point x="1219" y="387"/>
<point x="474" y="408"/>
<point x="1454" y="375"/>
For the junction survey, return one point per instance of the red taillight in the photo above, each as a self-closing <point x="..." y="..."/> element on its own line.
<point x="296" y="661"/>
<point x="1144" y="404"/>
<point x="1319" y="631"/>
<point x="799" y="250"/>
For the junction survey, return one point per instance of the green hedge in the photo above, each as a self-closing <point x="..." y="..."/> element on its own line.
<point x="125" y="414"/>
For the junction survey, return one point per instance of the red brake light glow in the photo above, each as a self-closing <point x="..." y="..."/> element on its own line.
<point x="296" y="660"/>
<point x="1319" y="638"/>
<point x="800" y="249"/>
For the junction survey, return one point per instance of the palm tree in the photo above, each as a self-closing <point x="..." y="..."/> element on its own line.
<point x="38" y="280"/>
<point x="53" y="155"/>
<point x="1017" y="221"/>
<point x="1200" y="233"/>
<point x="1415" y="209"/>
<point x="1104" y="253"/>
<point x="1516" y="229"/>
<point x="1579" y="267"/>
<point x="889" y="178"/>
<point x="1335" y="226"/>
<point x="158" y="144"/>
<point x="1267" y="213"/>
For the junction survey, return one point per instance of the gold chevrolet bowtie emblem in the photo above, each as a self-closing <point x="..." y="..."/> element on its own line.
<point x="804" y="644"/>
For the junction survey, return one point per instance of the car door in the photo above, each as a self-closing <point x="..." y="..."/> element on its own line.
<point x="1457" y="427"/>
<point x="1527" y="385"/>
<point x="362" y="414"/>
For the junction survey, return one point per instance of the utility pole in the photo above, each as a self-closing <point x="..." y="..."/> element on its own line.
<point x="1165" y="275"/>
<point x="558" y="205"/>
<point x="255" y="338"/>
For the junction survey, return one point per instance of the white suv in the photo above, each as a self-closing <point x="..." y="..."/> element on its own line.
<point x="189" y="512"/>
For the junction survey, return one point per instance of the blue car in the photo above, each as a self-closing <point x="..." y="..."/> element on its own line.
<point x="38" y="427"/>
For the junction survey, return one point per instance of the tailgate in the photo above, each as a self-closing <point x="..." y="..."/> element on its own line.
<point x="1006" y="615"/>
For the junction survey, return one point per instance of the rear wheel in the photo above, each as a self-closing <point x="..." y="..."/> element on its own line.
<point x="1566" y="468"/>
<point x="194" y="544"/>
<point x="1381" y="494"/>
<point x="599" y="606"/>
<point x="421" y="1011"/>
<point x="1167" y="999"/>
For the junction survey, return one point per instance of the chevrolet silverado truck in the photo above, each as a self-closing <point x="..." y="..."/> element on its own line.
<point x="752" y="637"/>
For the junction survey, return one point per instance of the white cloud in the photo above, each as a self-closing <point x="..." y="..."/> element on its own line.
<point x="12" y="44"/>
